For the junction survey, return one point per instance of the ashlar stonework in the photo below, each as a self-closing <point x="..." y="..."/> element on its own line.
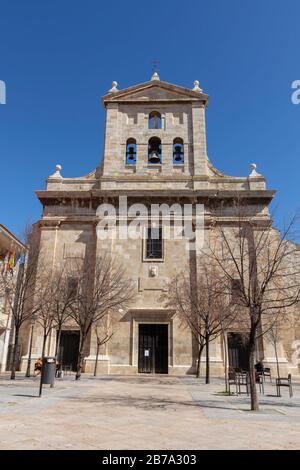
<point x="68" y="226"/>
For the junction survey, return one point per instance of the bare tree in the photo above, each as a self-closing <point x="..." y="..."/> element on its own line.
<point x="45" y="317"/>
<point x="21" y="294"/>
<point x="202" y="306"/>
<point x="273" y="337"/>
<point x="104" y="330"/>
<point x="275" y="334"/>
<point x="254" y="258"/>
<point x="103" y="288"/>
<point x="62" y="293"/>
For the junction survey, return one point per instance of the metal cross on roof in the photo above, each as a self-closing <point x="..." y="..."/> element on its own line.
<point x="155" y="66"/>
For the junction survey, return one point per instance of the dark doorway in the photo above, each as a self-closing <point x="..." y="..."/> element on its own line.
<point x="68" y="348"/>
<point x="153" y="349"/>
<point x="237" y="351"/>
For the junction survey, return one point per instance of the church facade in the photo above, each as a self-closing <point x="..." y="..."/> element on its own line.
<point x="154" y="153"/>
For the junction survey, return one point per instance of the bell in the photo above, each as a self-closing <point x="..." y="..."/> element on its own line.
<point x="154" y="158"/>
<point x="178" y="155"/>
<point x="131" y="153"/>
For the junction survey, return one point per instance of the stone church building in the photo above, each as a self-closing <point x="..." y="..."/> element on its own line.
<point x="154" y="152"/>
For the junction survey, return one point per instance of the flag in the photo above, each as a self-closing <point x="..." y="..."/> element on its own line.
<point x="11" y="262"/>
<point x="17" y="259"/>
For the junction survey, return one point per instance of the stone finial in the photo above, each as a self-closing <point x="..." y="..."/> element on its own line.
<point x="155" y="76"/>
<point x="253" y="173"/>
<point x="196" y="87"/>
<point x="57" y="172"/>
<point x="114" y="87"/>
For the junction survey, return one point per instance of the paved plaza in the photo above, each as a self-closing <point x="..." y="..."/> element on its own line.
<point x="143" y="412"/>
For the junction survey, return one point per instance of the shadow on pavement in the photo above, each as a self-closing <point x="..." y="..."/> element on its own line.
<point x="24" y="395"/>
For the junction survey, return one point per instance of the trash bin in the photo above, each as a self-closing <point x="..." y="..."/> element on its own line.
<point x="49" y="369"/>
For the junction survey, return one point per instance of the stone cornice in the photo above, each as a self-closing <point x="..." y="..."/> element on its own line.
<point x="199" y="195"/>
<point x="53" y="222"/>
<point x="148" y="177"/>
<point x="219" y="193"/>
<point x="183" y="94"/>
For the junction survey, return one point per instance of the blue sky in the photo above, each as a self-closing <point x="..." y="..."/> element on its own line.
<point x="59" y="57"/>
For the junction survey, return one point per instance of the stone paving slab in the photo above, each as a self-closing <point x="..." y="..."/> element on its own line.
<point x="271" y="408"/>
<point x="143" y="412"/>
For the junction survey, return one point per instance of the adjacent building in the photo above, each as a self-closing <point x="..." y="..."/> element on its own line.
<point x="11" y="252"/>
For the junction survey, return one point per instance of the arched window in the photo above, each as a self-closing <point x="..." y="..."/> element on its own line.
<point x="131" y="152"/>
<point x="154" y="151"/>
<point x="178" y="151"/>
<point x="154" y="120"/>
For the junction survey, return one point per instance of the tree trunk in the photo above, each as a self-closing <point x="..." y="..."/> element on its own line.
<point x="207" y="375"/>
<point x="96" y="361"/>
<point x="80" y="356"/>
<point x="44" y="345"/>
<point x="57" y="342"/>
<point x="252" y="378"/>
<point x="255" y="318"/>
<point x="199" y="362"/>
<point x="225" y="361"/>
<point x="15" y="353"/>
<point x="276" y="356"/>
<point x="27" y="374"/>
<point x="43" y="354"/>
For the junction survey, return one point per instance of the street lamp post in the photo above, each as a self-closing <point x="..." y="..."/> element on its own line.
<point x="33" y="318"/>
